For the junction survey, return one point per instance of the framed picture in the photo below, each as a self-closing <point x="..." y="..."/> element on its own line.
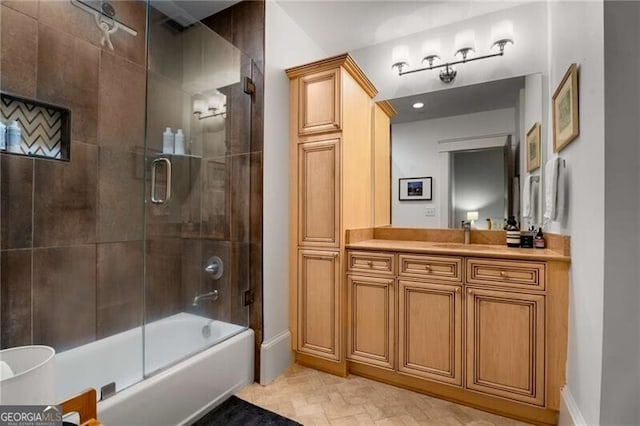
<point x="413" y="189"/>
<point x="533" y="147"/>
<point x="566" y="126"/>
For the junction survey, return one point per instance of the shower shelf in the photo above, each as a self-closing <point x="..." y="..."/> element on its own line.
<point x="45" y="128"/>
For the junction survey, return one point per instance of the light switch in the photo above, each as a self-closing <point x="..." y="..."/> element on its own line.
<point x="430" y="211"/>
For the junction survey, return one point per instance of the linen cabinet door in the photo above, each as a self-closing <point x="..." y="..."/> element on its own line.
<point x="319" y="193"/>
<point x="319" y="102"/>
<point x="371" y="320"/>
<point x="430" y="331"/>
<point x="319" y="303"/>
<point x="505" y="344"/>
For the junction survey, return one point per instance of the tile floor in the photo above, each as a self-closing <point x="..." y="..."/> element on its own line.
<point x="315" y="398"/>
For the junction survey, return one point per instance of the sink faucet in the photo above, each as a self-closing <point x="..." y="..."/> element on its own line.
<point x="467" y="231"/>
<point x="213" y="295"/>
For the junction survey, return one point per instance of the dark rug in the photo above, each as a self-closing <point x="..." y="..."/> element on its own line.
<point x="238" y="412"/>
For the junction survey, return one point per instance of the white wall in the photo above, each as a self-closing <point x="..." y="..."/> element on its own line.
<point x="415" y="153"/>
<point x="526" y="56"/>
<point x="286" y="45"/>
<point x="576" y="35"/>
<point x="533" y="110"/>
<point x="620" y="402"/>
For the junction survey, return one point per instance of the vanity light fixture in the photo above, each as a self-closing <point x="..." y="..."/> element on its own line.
<point x="501" y="35"/>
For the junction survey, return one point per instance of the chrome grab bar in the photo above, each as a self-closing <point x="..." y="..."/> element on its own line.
<point x="154" y="166"/>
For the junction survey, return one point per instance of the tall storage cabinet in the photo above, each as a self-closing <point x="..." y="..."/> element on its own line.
<point x="332" y="158"/>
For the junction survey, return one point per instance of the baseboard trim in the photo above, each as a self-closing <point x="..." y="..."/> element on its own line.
<point x="570" y="414"/>
<point x="275" y="357"/>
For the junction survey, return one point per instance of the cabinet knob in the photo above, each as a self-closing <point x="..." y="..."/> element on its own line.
<point x="458" y="290"/>
<point x="469" y="291"/>
<point x="370" y="263"/>
<point x="503" y="274"/>
<point x="427" y="267"/>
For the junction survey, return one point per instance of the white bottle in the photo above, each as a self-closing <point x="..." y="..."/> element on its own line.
<point x="167" y="141"/>
<point x="179" y="148"/>
<point x="14" y="137"/>
<point x="3" y="136"/>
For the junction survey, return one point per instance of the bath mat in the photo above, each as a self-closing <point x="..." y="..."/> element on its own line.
<point x="238" y="412"/>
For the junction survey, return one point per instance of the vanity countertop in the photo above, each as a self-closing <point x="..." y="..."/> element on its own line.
<point x="460" y="249"/>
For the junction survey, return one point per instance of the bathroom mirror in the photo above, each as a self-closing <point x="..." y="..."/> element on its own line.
<point x="471" y="141"/>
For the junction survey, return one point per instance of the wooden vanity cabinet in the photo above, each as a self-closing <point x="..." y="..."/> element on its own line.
<point x="490" y="332"/>
<point x="332" y="188"/>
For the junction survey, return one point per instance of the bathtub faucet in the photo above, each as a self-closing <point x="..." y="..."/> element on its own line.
<point x="213" y="295"/>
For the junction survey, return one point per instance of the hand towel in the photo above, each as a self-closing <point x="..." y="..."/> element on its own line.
<point x="527" y="199"/>
<point x="551" y="177"/>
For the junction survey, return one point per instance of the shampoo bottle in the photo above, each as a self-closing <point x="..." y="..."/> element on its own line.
<point x="3" y="136"/>
<point x="167" y="141"/>
<point x="179" y="147"/>
<point x="14" y="137"/>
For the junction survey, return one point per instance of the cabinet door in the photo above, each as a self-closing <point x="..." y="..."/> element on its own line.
<point x="371" y="323"/>
<point x="319" y="303"/>
<point x="430" y="331"/>
<point x="505" y="344"/>
<point x="319" y="102"/>
<point x="319" y="193"/>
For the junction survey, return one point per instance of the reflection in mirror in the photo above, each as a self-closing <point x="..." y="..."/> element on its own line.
<point x="470" y="140"/>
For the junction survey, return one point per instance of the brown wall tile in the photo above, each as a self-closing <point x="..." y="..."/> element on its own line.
<point x="240" y="197"/>
<point x="165" y="47"/>
<point x="28" y="7"/>
<point x="134" y="15"/>
<point x="120" y="284"/>
<point x="217" y="309"/>
<point x="162" y="287"/>
<point x="64" y="296"/>
<point x="16" y="208"/>
<point x="16" y="298"/>
<point x="68" y="75"/>
<point x="64" y="16"/>
<point x="122" y="102"/>
<point x="216" y="195"/>
<point x="120" y="204"/>
<point x="65" y="199"/>
<point x="18" y="40"/>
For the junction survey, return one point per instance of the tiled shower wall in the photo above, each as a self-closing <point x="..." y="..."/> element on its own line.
<point x="71" y="233"/>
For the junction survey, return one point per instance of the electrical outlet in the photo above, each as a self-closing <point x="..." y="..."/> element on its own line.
<point x="430" y="211"/>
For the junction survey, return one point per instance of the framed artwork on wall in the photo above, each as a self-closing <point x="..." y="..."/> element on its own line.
<point x="533" y="147"/>
<point x="566" y="125"/>
<point x="414" y="189"/>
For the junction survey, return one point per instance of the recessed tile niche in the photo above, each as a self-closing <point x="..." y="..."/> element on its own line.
<point x="45" y="128"/>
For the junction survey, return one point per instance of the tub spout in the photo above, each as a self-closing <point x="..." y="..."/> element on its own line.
<point x="213" y="295"/>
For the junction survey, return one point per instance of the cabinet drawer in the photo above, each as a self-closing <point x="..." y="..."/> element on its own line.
<point x="436" y="267"/>
<point x="506" y="273"/>
<point x="376" y="263"/>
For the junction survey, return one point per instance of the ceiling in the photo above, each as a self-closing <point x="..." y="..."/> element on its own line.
<point x="488" y="96"/>
<point x="339" y="26"/>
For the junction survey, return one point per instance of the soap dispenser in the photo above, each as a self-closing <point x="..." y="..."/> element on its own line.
<point x="539" y="241"/>
<point x="179" y="145"/>
<point x="167" y="141"/>
<point x="513" y="233"/>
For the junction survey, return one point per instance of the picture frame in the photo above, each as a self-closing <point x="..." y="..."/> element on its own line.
<point x="415" y="189"/>
<point x="533" y="147"/>
<point x="566" y="125"/>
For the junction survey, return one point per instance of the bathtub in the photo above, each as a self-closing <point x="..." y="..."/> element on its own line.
<point x="170" y="394"/>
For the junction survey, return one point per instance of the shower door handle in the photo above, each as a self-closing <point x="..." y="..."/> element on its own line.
<point x="154" y="167"/>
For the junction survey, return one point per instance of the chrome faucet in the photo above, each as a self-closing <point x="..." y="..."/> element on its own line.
<point x="213" y="295"/>
<point x="467" y="231"/>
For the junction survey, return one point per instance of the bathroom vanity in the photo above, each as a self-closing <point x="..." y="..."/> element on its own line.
<point x="480" y="324"/>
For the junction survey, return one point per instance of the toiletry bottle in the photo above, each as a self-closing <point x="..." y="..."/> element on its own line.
<point x="14" y="137"/>
<point x="167" y="141"/>
<point x="489" y="224"/>
<point x="3" y="136"/>
<point x="526" y="238"/>
<point x="539" y="241"/>
<point x="513" y="233"/>
<point x="179" y="145"/>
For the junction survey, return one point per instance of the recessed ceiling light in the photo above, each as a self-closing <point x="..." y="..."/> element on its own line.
<point x="418" y="105"/>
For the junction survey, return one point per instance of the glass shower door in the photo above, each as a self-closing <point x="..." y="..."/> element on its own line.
<point x="198" y="154"/>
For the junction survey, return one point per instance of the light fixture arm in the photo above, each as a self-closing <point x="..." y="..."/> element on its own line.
<point x="449" y="64"/>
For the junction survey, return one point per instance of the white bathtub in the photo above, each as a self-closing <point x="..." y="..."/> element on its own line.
<point x="178" y="394"/>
